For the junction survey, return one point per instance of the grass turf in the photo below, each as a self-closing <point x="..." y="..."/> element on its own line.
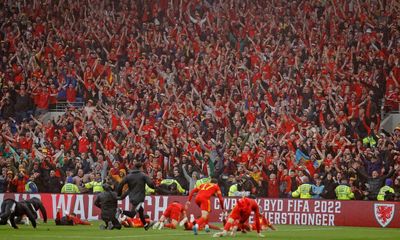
<point x="50" y="231"/>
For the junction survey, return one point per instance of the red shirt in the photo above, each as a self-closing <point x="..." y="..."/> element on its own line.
<point x="205" y="191"/>
<point x="43" y="100"/>
<point x="245" y="206"/>
<point x="175" y="207"/>
<point x="25" y="143"/>
<point x="83" y="145"/>
<point x="71" y="94"/>
<point x="67" y="144"/>
<point x="273" y="189"/>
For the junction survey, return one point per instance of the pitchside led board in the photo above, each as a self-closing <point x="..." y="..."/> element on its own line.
<point x="278" y="211"/>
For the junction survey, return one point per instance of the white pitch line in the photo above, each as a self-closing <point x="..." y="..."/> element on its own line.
<point x="172" y="234"/>
<point x="108" y="237"/>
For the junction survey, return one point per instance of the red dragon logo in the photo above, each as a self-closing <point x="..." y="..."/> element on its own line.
<point x="384" y="213"/>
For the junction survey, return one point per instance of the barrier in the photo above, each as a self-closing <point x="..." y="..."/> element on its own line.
<point x="278" y="211"/>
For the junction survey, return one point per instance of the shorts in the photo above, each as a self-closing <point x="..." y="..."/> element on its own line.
<point x="172" y="214"/>
<point x="204" y="204"/>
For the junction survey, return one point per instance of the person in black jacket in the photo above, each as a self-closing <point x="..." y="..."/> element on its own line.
<point x="22" y="105"/>
<point x="34" y="204"/>
<point x="54" y="183"/>
<point x="329" y="189"/>
<point x="136" y="181"/>
<point x="375" y="182"/>
<point x="107" y="201"/>
<point x="10" y="209"/>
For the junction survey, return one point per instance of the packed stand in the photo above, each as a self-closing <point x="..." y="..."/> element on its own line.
<point x="265" y="95"/>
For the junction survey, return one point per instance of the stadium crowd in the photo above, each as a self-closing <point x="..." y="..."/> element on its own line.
<point x="263" y="94"/>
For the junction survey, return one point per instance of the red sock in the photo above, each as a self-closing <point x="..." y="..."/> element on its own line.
<point x="228" y="226"/>
<point x="170" y="225"/>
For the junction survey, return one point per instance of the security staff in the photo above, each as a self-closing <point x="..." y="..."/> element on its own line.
<point x="202" y="181"/>
<point x="386" y="192"/>
<point x="30" y="186"/>
<point x="233" y="189"/>
<point x="69" y="187"/>
<point x="96" y="185"/>
<point x="149" y="191"/>
<point x="343" y="191"/>
<point x="170" y="187"/>
<point x="304" y="191"/>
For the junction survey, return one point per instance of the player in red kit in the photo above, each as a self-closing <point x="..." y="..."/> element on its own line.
<point x="133" y="222"/>
<point x="240" y="215"/>
<point x="204" y="193"/>
<point x="174" y="212"/>
<point x="265" y="224"/>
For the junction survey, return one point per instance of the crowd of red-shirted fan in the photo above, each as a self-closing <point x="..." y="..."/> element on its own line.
<point x="263" y="96"/>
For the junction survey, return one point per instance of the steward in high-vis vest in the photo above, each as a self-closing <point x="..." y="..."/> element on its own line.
<point x="304" y="191"/>
<point x="233" y="190"/>
<point x="202" y="181"/>
<point x="96" y="185"/>
<point x="170" y="187"/>
<point x="30" y="186"/>
<point x="386" y="192"/>
<point x="149" y="190"/>
<point x="343" y="191"/>
<point x="69" y="187"/>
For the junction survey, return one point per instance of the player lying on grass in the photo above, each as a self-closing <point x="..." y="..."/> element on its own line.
<point x="175" y="212"/>
<point x="70" y="219"/>
<point x="240" y="215"/>
<point x="204" y="193"/>
<point x="134" y="222"/>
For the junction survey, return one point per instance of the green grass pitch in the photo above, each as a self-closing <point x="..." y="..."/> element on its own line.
<point x="284" y="232"/>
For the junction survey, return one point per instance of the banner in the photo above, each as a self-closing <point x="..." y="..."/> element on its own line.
<point x="278" y="211"/>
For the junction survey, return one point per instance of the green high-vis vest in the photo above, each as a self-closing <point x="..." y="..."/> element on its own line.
<point x="202" y="181"/>
<point x="172" y="181"/>
<point x="343" y="192"/>
<point x="304" y="191"/>
<point x="382" y="192"/>
<point x="97" y="186"/>
<point x="70" y="188"/>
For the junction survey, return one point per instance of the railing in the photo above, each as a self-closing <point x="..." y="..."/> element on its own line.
<point x="61" y="106"/>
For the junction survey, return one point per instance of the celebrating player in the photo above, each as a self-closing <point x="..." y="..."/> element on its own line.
<point x="204" y="193"/>
<point x="70" y="219"/>
<point x="134" y="222"/>
<point x="240" y="215"/>
<point x="264" y="223"/>
<point x="175" y="212"/>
